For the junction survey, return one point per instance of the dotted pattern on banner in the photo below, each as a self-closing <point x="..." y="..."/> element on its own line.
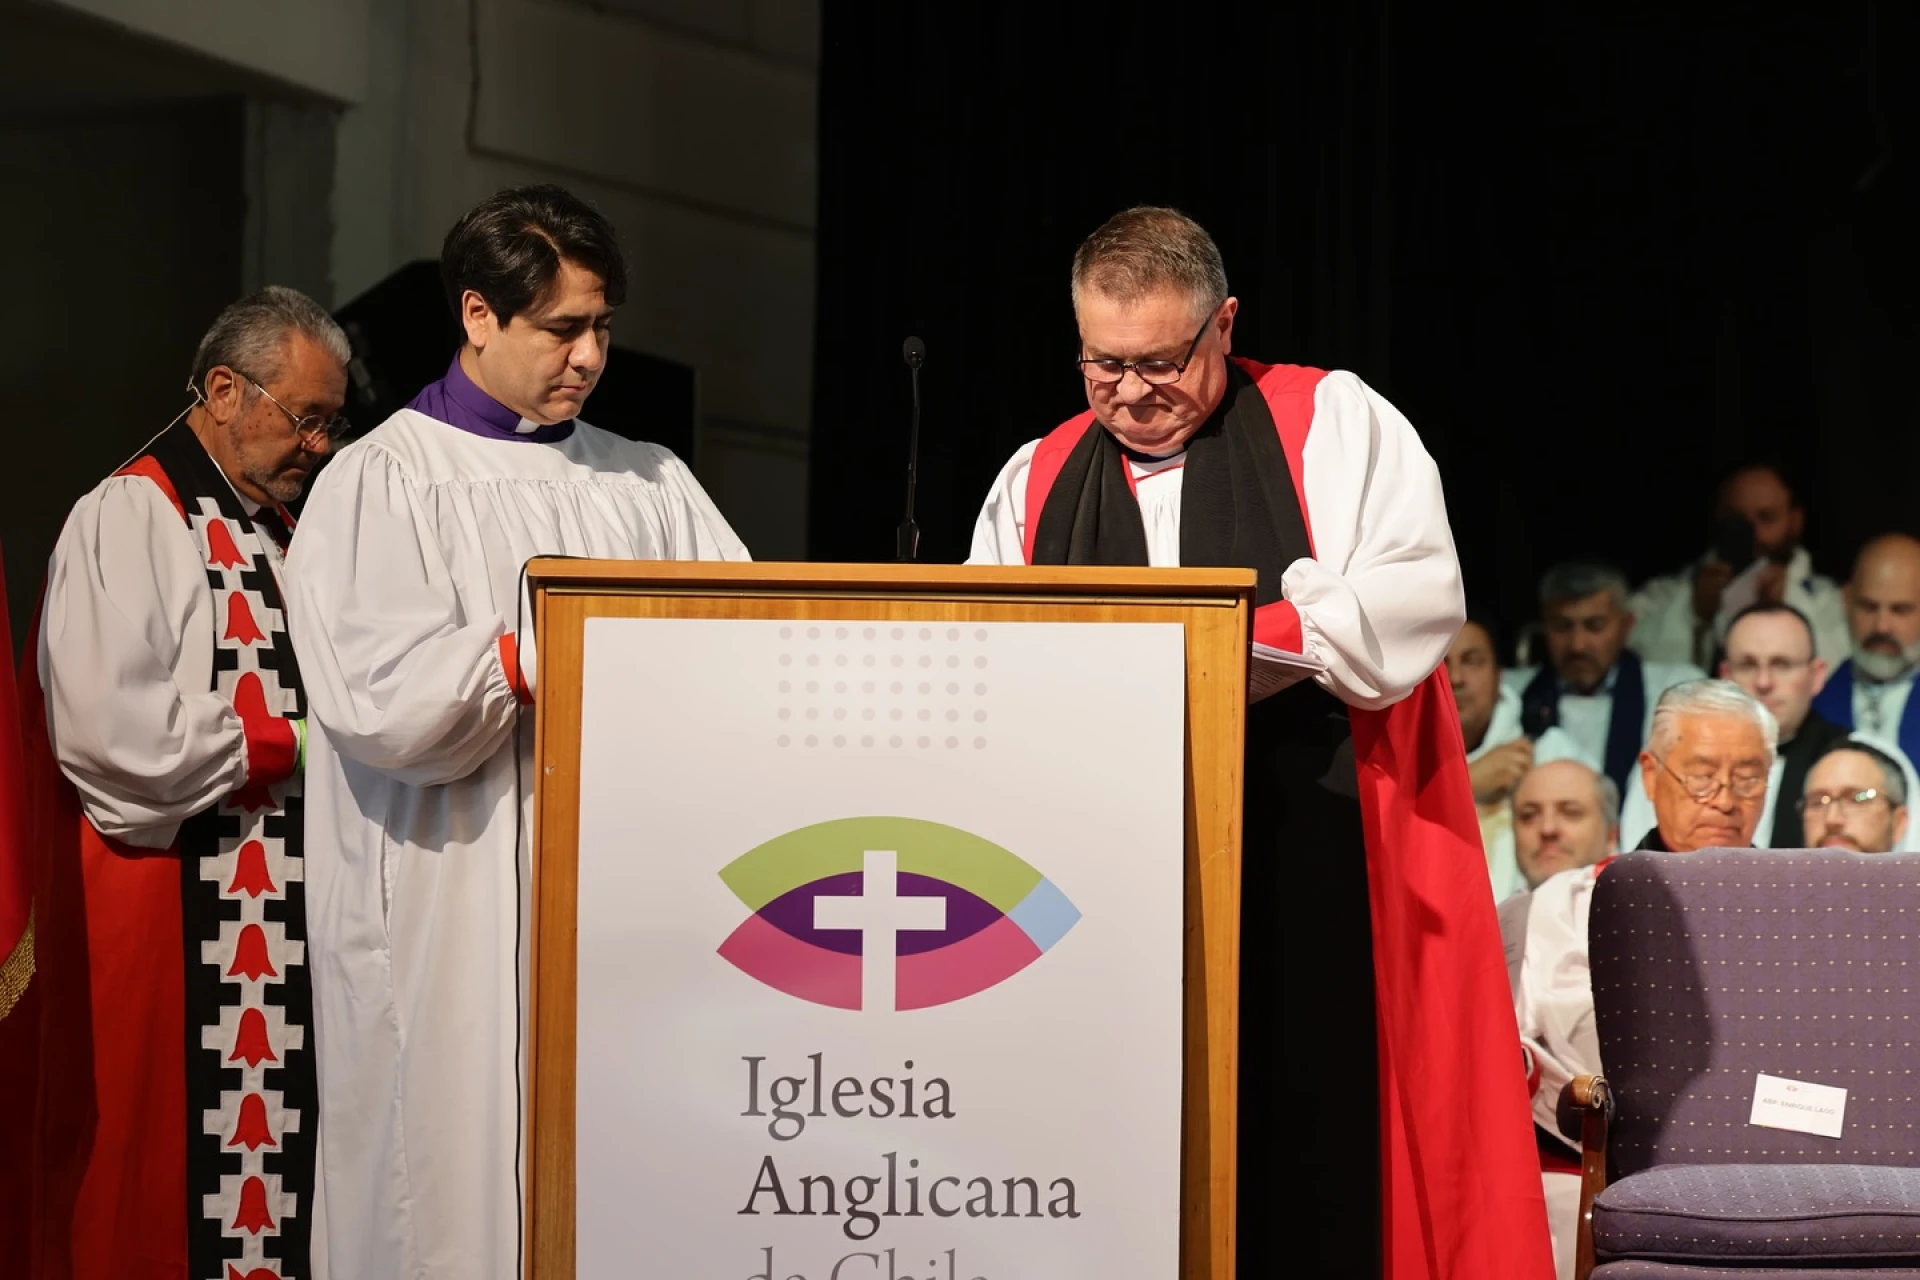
<point x="882" y="686"/>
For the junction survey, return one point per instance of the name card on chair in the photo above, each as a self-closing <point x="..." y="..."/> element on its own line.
<point x="1780" y="1103"/>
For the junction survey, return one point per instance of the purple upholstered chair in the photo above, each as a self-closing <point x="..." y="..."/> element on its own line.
<point x="1708" y="969"/>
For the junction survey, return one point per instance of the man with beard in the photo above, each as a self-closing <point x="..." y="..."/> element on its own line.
<point x="1872" y="690"/>
<point x="1593" y="687"/>
<point x="1856" y="798"/>
<point x="1683" y="617"/>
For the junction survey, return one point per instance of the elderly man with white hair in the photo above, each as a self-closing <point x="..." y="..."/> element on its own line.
<point x="1706" y="765"/>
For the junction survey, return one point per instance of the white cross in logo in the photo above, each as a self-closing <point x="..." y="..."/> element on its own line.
<point x="880" y="915"/>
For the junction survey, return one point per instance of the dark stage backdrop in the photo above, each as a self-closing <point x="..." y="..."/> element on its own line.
<point x="1596" y="256"/>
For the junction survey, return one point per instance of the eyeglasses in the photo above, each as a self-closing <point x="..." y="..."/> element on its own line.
<point x="1846" y="804"/>
<point x="1155" y="373"/>
<point x="1778" y="668"/>
<point x="1705" y="786"/>
<point x="312" y="430"/>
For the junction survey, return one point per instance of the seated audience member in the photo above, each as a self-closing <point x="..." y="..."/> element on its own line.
<point x="1684" y="616"/>
<point x="1564" y="830"/>
<point x="1498" y="753"/>
<point x="1706" y="763"/>
<point x="1706" y="766"/>
<point x="1871" y="691"/>
<point x="1593" y="688"/>
<point x="1856" y="798"/>
<point x="1770" y="654"/>
<point x="1565" y="816"/>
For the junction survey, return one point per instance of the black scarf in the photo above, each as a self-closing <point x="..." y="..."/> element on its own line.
<point x="1540" y="710"/>
<point x="1238" y="507"/>
<point x="1306" y="977"/>
<point x="252" y="1099"/>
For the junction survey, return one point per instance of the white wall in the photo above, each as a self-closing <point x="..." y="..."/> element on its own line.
<point x="691" y="125"/>
<point x="314" y="46"/>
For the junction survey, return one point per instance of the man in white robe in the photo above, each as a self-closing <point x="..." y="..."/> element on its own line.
<point x="1188" y="455"/>
<point x="1684" y="617"/>
<point x="407" y="603"/>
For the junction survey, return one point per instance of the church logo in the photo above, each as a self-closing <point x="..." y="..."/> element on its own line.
<point x="889" y="914"/>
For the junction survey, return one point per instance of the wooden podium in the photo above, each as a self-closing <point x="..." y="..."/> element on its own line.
<point x="1215" y="606"/>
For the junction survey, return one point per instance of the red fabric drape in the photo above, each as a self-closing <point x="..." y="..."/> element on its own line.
<point x="95" y="1179"/>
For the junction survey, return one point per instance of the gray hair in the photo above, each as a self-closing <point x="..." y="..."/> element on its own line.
<point x="1145" y="249"/>
<point x="1708" y="698"/>
<point x="1578" y="579"/>
<point x="1894" y="784"/>
<point x="251" y="335"/>
<point x="1608" y="793"/>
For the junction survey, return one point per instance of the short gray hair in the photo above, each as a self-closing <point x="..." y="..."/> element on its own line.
<point x="1145" y="249"/>
<point x="1608" y="794"/>
<point x="1708" y="698"/>
<point x="251" y="335"/>
<point x="1578" y="579"/>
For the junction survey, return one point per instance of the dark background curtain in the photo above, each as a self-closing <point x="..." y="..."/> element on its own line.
<point x="1597" y="255"/>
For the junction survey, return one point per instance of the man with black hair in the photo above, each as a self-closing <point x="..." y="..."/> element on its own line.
<point x="1683" y="617"/>
<point x="406" y="611"/>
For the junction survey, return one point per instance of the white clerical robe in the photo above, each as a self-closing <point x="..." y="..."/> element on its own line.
<point x="1380" y="600"/>
<point x="1554" y="1005"/>
<point x="126" y="653"/>
<point x="404" y="580"/>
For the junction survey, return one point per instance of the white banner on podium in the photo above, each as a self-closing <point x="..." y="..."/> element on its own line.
<point x="880" y="951"/>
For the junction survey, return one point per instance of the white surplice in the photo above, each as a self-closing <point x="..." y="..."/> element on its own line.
<point x="1553" y="1003"/>
<point x="1381" y="598"/>
<point x="404" y="577"/>
<point x="126" y="657"/>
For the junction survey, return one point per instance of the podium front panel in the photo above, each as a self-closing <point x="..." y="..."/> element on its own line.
<point x="863" y="899"/>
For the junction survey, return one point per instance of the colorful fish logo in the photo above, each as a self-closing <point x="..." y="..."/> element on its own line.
<point x="889" y="914"/>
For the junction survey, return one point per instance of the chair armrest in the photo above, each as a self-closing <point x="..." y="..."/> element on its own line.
<point x="1588" y="1101"/>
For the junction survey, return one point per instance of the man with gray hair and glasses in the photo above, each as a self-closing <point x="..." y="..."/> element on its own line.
<point x="1357" y="798"/>
<point x="175" y="1053"/>
<point x="1706" y="766"/>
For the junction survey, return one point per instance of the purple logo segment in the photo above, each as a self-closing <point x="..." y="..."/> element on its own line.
<point x="886" y="914"/>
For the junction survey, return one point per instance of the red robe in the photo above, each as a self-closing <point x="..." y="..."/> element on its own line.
<point x="115" y="1116"/>
<point x="1461" y="1194"/>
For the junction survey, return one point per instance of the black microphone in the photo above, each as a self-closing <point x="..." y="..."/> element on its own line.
<point x="907" y="538"/>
